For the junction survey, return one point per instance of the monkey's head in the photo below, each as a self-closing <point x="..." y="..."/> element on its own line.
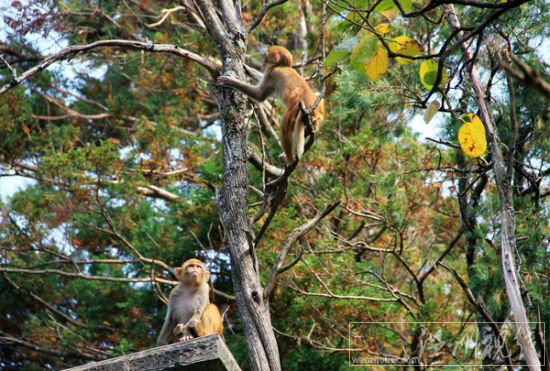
<point x="192" y="273"/>
<point x="277" y="56"/>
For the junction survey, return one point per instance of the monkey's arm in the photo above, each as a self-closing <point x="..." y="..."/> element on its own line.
<point x="202" y="302"/>
<point x="258" y="92"/>
<point x="167" y="328"/>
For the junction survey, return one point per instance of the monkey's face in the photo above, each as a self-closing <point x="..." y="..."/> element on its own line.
<point x="278" y="56"/>
<point x="194" y="271"/>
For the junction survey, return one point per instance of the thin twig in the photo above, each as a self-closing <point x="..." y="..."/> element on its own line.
<point x="291" y="240"/>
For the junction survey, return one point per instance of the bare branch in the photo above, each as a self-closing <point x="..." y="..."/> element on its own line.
<point x="8" y="339"/>
<point x="331" y="295"/>
<point x="165" y="14"/>
<point x="276" y="189"/>
<point x="71" y="51"/>
<point x="442" y="256"/>
<point x="292" y="263"/>
<point x="270" y="170"/>
<point x="215" y="26"/>
<point x="291" y="240"/>
<point x="527" y="75"/>
<point x="51" y="307"/>
<point x="157" y="192"/>
<point x="231" y="17"/>
<point x="512" y="278"/>
<point x="263" y="12"/>
<point x="148" y="190"/>
<point x="481" y="310"/>
<point x="12" y="69"/>
<point x="83" y="276"/>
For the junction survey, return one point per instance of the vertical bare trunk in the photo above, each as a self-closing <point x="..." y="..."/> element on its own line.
<point x="225" y="26"/>
<point x="508" y="237"/>
<point x="262" y="345"/>
<point x="233" y="207"/>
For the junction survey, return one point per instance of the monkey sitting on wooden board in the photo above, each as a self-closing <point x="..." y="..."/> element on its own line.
<point x="190" y="313"/>
<point x="281" y="80"/>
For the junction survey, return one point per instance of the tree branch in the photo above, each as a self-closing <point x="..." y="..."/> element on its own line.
<point x="481" y="310"/>
<point x="291" y="240"/>
<point x="215" y="26"/>
<point x="6" y="269"/>
<point x="71" y="51"/>
<point x="263" y="12"/>
<point x="51" y="307"/>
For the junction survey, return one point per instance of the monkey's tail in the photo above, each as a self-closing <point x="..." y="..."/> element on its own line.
<point x="299" y="134"/>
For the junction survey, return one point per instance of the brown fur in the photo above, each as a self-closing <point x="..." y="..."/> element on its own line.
<point x="281" y="80"/>
<point x="190" y="312"/>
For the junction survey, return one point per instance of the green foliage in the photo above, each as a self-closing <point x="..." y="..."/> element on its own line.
<point x="92" y="212"/>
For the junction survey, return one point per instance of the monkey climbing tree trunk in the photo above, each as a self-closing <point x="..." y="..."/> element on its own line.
<point x="225" y="27"/>
<point x="503" y="177"/>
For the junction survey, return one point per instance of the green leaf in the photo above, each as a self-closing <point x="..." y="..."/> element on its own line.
<point x="335" y="56"/>
<point x="432" y="109"/>
<point x="428" y="74"/>
<point x="341" y="51"/>
<point x="386" y="5"/>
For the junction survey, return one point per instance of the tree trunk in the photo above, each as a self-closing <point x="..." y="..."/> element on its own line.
<point x="225" y="26"/>
<point x="263" y="353"/>
<point x="503" y="181"/>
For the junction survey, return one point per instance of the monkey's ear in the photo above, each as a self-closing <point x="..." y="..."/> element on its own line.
<point x="206" y="276"/>
<point x="178" y="272"/>
<point x="276" y="56"/>
<point x="286" y="58"/>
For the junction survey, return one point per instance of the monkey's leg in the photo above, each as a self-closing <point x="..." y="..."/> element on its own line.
<point x="299" y="137"/>
<point x="287" y="139"/>
<point x="211" y="321"/>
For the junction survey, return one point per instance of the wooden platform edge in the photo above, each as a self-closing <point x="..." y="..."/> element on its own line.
<point x="204" y="353"/>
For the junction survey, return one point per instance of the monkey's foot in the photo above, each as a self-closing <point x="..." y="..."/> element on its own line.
<point x="284" y="160"/>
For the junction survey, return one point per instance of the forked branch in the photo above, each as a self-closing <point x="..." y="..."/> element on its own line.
<point x="291" y="240"/>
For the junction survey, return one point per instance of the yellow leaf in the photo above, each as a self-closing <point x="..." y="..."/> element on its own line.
<point x="378" y="65"/>
<point x="428" y="74"/>
<point x="383" y="28"/>
<point x="471" y="136"/>
<point x="406" y="46"/>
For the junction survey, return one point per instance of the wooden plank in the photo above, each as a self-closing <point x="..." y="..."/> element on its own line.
<point x="208" y="353"/>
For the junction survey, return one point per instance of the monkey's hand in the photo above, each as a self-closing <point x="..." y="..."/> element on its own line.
<point x="284" y="160"/>
<point x="181" y="332"/>
<point x="185" y="338"/>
